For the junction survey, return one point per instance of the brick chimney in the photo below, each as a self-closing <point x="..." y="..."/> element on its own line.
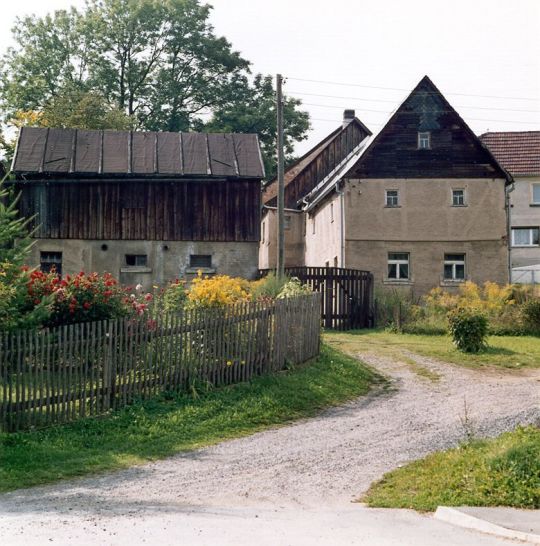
<point x="348" y="116"/>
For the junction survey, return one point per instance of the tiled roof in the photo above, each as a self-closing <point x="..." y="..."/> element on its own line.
<point x="517" y="151"/>
<point x="81" y="153"/>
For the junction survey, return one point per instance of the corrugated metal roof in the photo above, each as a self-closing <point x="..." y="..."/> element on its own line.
<point x="83" y="153"/>
<point x="517" y="151"/>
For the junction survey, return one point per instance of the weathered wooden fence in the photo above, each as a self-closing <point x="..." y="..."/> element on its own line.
<point x="347" y="301"/>
<point x="59" y="375"/>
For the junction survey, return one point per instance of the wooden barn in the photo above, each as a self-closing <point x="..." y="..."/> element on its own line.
<point x="147" y="207"/>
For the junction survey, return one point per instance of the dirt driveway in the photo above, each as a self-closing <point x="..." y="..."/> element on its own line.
<point x="320" y="463"/>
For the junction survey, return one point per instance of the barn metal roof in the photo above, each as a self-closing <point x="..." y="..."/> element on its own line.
<point x="83" y="153"/>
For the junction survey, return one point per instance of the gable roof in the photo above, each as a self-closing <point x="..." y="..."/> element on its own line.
<point x="82" y="153"/>
<point x="517" y="151"/>
<point x="319" y="161"/>
<point x="457" y="153"/>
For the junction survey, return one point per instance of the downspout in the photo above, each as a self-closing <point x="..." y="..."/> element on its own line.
<point x="507" y="190"/>
<point x="342" y="223"/>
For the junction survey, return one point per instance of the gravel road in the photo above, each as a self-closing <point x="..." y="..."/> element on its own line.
<point x="325" y="461"/>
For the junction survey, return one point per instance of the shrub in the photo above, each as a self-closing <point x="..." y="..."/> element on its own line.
<point x="217" y="291"/>
<point x="268" y="287"/>
<point x="293" y="287"/>
<point x="531" y="315"/>
<point x="395" y="308"/>
<point x="175" y="296"/>
<point x="468" y="329"/>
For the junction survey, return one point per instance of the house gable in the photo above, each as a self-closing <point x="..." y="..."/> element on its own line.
<point x="454" y="150"/>
<point x="312" y="168"/>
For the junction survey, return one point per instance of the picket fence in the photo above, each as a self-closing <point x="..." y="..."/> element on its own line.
<point x="81" y="370"/>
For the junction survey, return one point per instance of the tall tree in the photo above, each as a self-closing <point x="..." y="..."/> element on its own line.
<point x="252" y="109"/>
<point x="159" y="62"/>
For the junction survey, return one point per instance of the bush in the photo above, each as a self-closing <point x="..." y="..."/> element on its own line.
<point x="268" y="287"/>
<point x="468" y="329"/>
<point x="395" y="308"/>
<point x="292" y="288"/>
<point x="217" y="291"/>
<point x="175" y="296"/>
<point x="531" y="315"/>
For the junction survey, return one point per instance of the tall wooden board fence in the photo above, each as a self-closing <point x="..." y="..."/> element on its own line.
<point x="62" y="374"/>
<point x="347" y="301"/>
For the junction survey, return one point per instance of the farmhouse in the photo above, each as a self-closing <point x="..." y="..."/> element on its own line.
<point x="421" y="204"/>
<point x="147" y="207"/>
<point x="519" y="153"/>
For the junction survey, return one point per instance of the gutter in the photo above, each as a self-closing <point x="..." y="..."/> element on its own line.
<point x="341" y="194"/>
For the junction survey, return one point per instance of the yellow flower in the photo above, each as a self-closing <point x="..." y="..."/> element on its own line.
<point x="229" y="363"/>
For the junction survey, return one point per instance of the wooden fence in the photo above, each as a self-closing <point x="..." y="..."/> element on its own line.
<point x="62" y="374"/>
<point x="347" y="301"/>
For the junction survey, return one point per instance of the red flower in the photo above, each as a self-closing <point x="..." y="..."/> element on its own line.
<point x="87" y="305"/>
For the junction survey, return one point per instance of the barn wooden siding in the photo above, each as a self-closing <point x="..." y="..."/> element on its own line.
<point x="455" y="151"/>
<point x="172" y="210"/>
<point x="327" y="159"/>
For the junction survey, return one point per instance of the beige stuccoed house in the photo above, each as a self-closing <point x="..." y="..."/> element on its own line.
<point x="421" y="204"/>
<point x="519" y="153"/>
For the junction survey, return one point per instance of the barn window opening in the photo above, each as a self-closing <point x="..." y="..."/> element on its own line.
<point x="202" y="261"/>
<point x="136" y="260"/>
<point x="50" y="261"/>
<point x="424" y="141"/>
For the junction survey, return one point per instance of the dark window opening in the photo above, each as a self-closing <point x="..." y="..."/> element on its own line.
<point x="136" y="260"/>
<point x="200" y="260"/>
<point x="51" y="261"/>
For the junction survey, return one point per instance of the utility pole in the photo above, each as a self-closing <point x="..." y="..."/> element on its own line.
<point x="280" y="180"/>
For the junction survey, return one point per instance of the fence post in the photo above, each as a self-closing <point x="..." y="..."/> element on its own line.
<point x="108" y="367"/>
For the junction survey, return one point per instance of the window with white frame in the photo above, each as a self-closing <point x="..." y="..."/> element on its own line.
<point x="536" y="194"/>
<point x="529" y="236"/>
<point x="454" y="267"/>
<point x="392" y="198"/>
<point x="424" y="140"/>
<point x="458" y="198"/>
<point x="398" y="266"/>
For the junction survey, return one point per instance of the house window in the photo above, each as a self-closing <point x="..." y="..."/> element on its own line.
<point x="392" y="198"/>
<point x="525" y="236"/>
<point x="424" y="141"/>
<point x="398" y="266"/>
<point x="202" y="261"/>
<point x="50" y="261"/>
<point x="454" y="267"/>
<point x="458" y="198"/>
<point x="136" y="260"/>
<point x="536" y="194"/>
<point x="287" y="222"/>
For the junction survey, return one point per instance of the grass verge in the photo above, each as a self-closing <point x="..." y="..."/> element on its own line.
<point x="161" y="427"/>
<point x="503" y="471"/>
<point x="512" y="352"/>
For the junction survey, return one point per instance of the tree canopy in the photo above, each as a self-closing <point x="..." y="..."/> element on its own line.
<point x="147" y="64"/>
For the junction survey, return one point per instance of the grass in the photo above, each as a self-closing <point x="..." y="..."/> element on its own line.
<point x="511" y="352"/>
<point x="504" y="471"/>
<point x="161" y="427"/>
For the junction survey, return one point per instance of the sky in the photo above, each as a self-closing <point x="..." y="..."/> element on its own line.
<point x="484" y="55"/>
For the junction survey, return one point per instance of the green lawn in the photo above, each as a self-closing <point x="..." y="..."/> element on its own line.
<point x="504" y="351"/>
<point x="504" y="471"/>
<point x="160" y="428"/>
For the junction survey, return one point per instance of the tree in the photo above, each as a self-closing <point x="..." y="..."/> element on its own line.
<point x="157" y="62"/>
<point x="252" y="109"/>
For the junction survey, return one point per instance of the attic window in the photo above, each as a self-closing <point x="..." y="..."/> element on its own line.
<point x="424" y="141"/>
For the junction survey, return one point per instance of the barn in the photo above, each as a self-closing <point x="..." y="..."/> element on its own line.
<point x="147" y="207"/>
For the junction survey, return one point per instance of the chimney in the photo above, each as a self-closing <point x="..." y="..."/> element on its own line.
<point x="348" y="116"/>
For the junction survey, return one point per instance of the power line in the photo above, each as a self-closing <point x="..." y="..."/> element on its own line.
<point x="394" y="102"/>
<point x="434" y="112"/>
<point x="343" y="84"/>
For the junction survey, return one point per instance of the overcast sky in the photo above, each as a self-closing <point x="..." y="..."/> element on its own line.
<point x="473" y="50"/>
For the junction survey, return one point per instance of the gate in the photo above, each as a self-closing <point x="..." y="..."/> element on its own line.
<point x="347" y="301"/>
